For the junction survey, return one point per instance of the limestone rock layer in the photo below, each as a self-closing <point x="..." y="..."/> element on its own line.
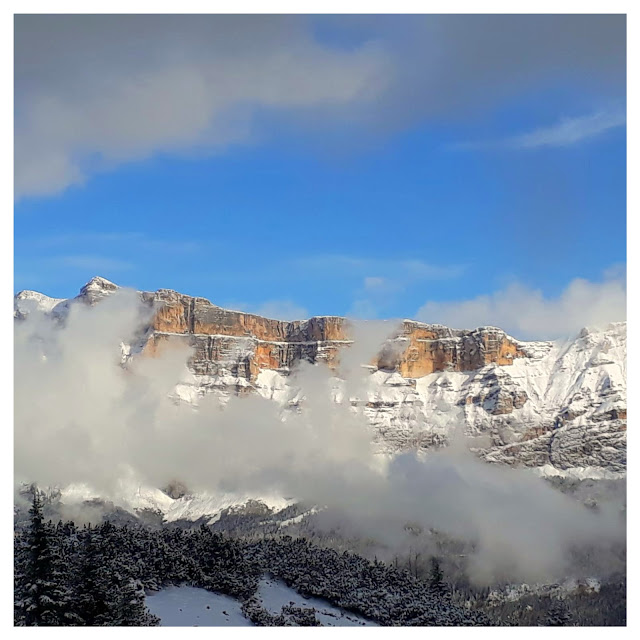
<point x="221" y="335"/>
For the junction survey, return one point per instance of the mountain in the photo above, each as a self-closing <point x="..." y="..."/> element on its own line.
<point x="559" y="407"/>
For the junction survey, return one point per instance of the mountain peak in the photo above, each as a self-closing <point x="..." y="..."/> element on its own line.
<point x="96" y="289"/>
<point x="99" y="283"/>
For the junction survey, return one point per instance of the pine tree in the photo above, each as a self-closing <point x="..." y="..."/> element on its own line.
<point x="131" y="610"/>
<point x="45" y="594"/>
<point x="436" y="578"/>
<point x="20" y="567"/>
<point x="558" y="615"/>
<point x="92" y="588"/>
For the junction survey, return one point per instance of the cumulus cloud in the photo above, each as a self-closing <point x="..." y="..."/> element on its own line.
<point x="86" y="415"/>
<point x="527" y="313"/>
<point x="93" y="91"/>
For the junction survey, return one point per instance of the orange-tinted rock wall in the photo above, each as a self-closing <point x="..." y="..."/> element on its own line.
<point x="248" y="343"/>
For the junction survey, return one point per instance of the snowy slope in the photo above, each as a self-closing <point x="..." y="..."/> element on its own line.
<point x="26" y="302"/>
<point x="563" y="406"/>
<point x="274" y="594"/>
<point x="133" y="497"/>
<point x="186" y="606"/>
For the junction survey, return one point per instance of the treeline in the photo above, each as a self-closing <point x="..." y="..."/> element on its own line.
<point x="74" y="577"/>
<point x="368" y="588"/>
<point x="98" y="575"/>
<point x="606" y="607"/>
<point x="67" y="575"/>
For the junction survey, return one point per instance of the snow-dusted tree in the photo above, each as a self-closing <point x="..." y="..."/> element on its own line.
<point x="558" y="615"/>
<point x="93" y="584"/>
<point x="131" y="610"/>
<point x="45" y="597"/>
<point x="20" y="568"/>
<point x="436" y="578"/>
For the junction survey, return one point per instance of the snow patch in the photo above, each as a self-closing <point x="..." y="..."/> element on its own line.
<point x="274" y="594"/>
<point x="191" y="607"/>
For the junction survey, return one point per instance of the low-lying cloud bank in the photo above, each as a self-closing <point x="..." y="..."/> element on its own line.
<point x="84" y="414"/>
<point x="527" y="314"/>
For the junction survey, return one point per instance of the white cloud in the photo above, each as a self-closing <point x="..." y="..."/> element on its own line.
<point x="527" y="314"/>
<point x="565" y="132"/>
<point x="93" y="91"/>
<point x="84" y="101"/>
<point x="569" y="131"/>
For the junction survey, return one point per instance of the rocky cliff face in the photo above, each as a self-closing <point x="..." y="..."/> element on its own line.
<point x="423" y="349"/>
<point x="560" y="407"/>
<point x="241" y="344"/>
<point x="249" y="344"/>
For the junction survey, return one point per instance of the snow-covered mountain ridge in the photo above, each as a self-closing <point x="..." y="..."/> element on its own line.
<point x="559" y="407"/>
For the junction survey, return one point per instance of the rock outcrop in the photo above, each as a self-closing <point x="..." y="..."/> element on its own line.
<point x="249" y="344"/>
<point x="540" y="404"/>
<point x="430" y="348"/>
<point x="242" y="344"/>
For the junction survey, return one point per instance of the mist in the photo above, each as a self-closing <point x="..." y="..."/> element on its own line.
<point x="90" y="410"/>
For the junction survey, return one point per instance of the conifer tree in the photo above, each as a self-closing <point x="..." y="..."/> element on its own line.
<point x="131" y="610"/>
<point x="46" y="598"/>
<point x="436" y="578"/>
<point x="92" y="584"/>
<point x="20" y="566"/>
<point x="558" y="615"/>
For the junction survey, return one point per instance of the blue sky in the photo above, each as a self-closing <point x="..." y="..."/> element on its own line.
<point x="373" y="167"/>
